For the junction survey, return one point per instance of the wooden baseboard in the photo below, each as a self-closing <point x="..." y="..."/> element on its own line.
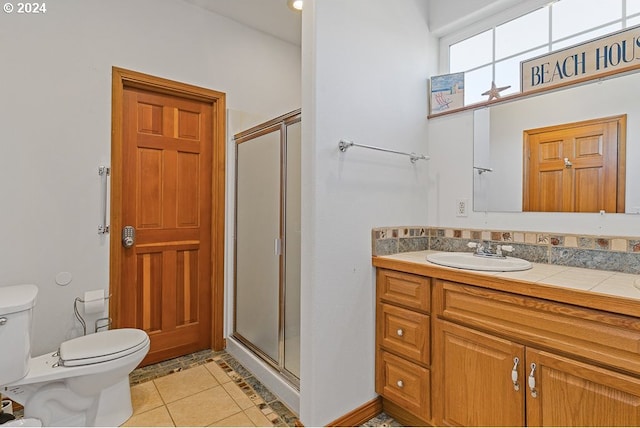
<point x="360" y="415"/>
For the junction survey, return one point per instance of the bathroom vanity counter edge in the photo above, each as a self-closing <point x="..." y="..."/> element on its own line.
<point x="515" y="282"/>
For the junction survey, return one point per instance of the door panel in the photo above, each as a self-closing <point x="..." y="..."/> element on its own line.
<point x="574" y="167"/>
<point x="476" y="378"/>
<point x="571" y="393"/>
<point x="257" y="229"/>
<point x="167" y="162"/>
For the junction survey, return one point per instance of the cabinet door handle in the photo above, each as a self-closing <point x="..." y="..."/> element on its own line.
<point x="400" y="332"/>
<point x="532" y="381"/>
<point x="514" y="374"/>
<point x="400" y="384"/>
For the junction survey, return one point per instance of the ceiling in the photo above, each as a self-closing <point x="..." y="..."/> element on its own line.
<point x="275" y="18"/>
<point x="270" y="16"/>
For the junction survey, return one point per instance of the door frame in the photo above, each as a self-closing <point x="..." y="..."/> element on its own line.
<point x="121" y="79"/>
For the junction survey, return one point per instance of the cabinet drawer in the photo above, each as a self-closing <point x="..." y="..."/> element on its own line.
<point x="404" y="332"/>
<point x="598" y="336"/>
<point x="404" y="383"/>
<point x="405" y="289"/>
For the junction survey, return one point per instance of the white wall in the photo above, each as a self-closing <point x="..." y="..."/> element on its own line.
<point x="365" y="70"/>
<point x="55" y="124"/>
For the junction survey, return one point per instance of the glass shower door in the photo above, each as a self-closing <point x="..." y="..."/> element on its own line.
<point x="268" y="225"/>
<point x="257" y="233"/>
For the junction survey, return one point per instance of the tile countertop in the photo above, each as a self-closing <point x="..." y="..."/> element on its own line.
<point x="616" y="284"/>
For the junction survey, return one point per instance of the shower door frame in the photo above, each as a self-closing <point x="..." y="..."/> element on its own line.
<point x="278" y="124"/>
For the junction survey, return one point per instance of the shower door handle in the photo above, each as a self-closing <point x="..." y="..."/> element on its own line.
<point x="277" y="247"/>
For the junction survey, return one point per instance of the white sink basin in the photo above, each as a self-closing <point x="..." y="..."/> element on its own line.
<point x="472" y="262"/>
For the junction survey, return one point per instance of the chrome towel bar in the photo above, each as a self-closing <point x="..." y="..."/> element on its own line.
<point x="343" y="145"/>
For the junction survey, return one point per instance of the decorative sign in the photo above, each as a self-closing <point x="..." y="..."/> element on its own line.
<point x="611" y="54"/>
<point x="447" y="92"/>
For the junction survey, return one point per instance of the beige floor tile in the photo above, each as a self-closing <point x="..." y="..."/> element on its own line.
<point x="257" y="417"/>
<point x="217" y="372"/>
<point x="185" y="383"/>
<point x="238" y="395"/>
<point x="237" y="420"/>
<point x="158" y="417"/>
<point x="145" y="396"/>
<point x="203" y="408"/>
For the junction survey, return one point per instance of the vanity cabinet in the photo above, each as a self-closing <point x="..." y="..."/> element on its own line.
<point x="489" y="381"/>
<point x="452" y="353"/>
<point x="403" y="345"/>
<point x="507" y="360"/>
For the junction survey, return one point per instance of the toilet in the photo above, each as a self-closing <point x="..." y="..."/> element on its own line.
<point x="84" y="383"/>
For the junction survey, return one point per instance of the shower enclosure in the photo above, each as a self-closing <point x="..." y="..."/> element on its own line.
<point x="267" y="246"/>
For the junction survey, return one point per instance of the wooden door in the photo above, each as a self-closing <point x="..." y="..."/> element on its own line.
<point x="575" y="167"/>
<point x="571" y="393"/>
<point x="169" y="186"/>
<point x="476" y="383"/>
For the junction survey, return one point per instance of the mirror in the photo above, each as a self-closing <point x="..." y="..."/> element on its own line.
<point x="498" y="137"/>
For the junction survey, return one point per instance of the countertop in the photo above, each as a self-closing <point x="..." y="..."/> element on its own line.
<point x="606" y="290"/>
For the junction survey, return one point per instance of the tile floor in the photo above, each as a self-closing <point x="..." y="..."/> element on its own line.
<point x="203" y="389"/>
<point x="210" y="389"/>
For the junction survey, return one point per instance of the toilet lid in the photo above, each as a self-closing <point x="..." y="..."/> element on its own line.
<point x="103" y="346"/>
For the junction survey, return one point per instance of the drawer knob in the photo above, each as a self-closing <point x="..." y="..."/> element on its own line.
<point x="400" y="384"/>
<point x="400" y="332"/>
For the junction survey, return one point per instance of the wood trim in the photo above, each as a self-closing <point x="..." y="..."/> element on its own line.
<point x="360" y="415"/>
<point x="587" y="299"/>
<point x="122" y="78"/>
<point x="534" y="92"/>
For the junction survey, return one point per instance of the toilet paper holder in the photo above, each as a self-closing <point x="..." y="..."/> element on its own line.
<point x="100" y="323"/>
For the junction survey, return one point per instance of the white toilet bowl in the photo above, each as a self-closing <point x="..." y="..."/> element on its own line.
<point x="84" y="383"/>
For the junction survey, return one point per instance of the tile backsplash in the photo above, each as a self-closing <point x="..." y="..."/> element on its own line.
<point x="619" y="254"/>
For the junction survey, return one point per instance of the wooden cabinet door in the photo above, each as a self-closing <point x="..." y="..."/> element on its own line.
<point x="476" y="387"/>
<point x="571" y="393"/>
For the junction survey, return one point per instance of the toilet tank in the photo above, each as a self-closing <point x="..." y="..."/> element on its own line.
<point x="16" y="308"/>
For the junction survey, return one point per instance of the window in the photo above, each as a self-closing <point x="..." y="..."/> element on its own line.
<point x="494" y="53"/>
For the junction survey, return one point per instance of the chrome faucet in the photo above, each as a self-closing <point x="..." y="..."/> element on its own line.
<point x="486" y="251"/>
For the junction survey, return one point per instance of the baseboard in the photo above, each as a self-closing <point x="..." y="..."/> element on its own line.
<point x="360" y="415"/>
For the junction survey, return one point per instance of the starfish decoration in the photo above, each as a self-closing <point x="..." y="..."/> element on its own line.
<point x="494" y="92"/>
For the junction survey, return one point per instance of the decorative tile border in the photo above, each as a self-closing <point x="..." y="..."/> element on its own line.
<point x="619" y="254"/>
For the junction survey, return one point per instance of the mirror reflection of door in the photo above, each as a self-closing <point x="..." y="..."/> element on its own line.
<point x="576" y="167"/>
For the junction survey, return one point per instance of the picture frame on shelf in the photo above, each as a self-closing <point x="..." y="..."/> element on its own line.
<point x="446" y="93"/>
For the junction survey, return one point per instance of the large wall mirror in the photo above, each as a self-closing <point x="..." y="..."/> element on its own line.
<point x="498" y="137"/>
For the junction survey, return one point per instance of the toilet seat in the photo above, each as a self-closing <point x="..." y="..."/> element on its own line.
<point x="100" y="347"/>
